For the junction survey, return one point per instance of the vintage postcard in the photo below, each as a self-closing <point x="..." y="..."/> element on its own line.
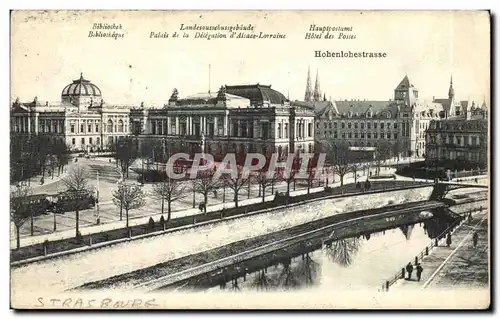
<point x="250" y="160"/>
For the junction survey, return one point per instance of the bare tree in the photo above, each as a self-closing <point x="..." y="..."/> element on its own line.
<point x="382" y="153"/>
<point x="125" y="153"/>
<point x="168" y="190"/>
<point x="343" y="251"/>
<point x="355" y="166"/>
<point x="128" y="197"/>
<point x="204" y="184"/>
<point x="78" y="191"/>
<point x="20" y="210"/>
<point x="263" y="180"/>
<point x="235" y="183"/>
<point x="339" y="157"/>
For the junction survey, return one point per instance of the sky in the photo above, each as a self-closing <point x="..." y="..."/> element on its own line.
<point x="50" y="49"/>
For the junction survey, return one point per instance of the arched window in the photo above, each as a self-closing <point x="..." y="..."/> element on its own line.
<point x="110" y="126"/>
<point x="120" y="126"/>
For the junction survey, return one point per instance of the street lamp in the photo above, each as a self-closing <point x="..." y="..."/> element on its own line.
<point x="98" y="218"/>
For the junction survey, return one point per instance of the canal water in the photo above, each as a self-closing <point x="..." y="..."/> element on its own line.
<point x="363" y="262"/>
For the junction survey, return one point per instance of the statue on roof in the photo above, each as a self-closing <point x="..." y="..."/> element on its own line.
<point x="142" y="105"/>
<point x="221" y="95"/>
<point x="174" y="96"/>
<point x="35" y="100"/>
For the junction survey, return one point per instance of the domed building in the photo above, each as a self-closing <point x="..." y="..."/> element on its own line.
<point x="82" y="93"/>
<point x="81" y="118"/>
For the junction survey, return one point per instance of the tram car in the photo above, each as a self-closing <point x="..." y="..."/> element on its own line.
<point x="39" y="204"/>
<point x="67" y="202"/>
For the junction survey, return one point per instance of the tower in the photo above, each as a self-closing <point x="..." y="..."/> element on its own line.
<point x="451" y="91"/>
<point x="406" y="93"/>
<point x="308" y="95"/>
<point x="317" y="89"/>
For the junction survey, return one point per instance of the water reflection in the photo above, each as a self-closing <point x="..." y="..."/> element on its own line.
<point x="349" y="263"/>
<point x="343" y="251"/>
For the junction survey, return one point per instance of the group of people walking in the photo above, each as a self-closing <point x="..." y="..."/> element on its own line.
<point x="419" y="269"/>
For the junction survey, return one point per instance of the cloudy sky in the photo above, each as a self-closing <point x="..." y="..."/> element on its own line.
<point x="49" y="50"/>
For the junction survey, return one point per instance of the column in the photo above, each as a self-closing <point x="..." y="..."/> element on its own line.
<point x="226" y="120"/>
<point x="169" y="125"/>
<point x="29" y="124"/>
<point x="216" y="128"/>
<point x="176" y="125"/>
<point x="239" y="128"/>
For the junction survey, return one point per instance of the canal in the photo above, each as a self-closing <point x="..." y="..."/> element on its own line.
<point x="361" y="262"/>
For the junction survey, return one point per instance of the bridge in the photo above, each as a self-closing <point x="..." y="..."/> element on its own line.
<point x="442" y="188"/>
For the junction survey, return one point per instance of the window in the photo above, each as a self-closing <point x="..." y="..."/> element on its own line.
<point x="343" y="135"/>
<point x="362" y="135"/>
<point x="89" y="128"/>
<point x="375" y="125"/>
<point x="349" y="125"/>
<point x="310" y="129"/>
<point x="369" y="135"/>
<point x="280" y="132"/>
<point x="388" y="135"/>
<point x="335" y="125"/>
<point x="97" y="128"/>
<point x="474" y="141"/>
<point x="110" y="126"/>
<point x="342" y="125"/>
<point x="120" y="126"/>
<point x="356" y="125"/>
<point x="356" y="135"/>
<point x="350" y="135"/>
<point x="395" y="125"/>
<point x="335" y="134"/>
<point x="362" y="125"/>
<point x="82" y="128"/>
<point x="395" y="135"/>
<point x="73" y="141"/>
<point x="72" y="129"/>
<point x="90" y="140"/>
<point x="368" y="125"/>
<point x="381" y="126"/>
<point x="83" y="140"/>
<point x="459" y="140"/>
<point x="286" y="130"/>
<point x="326" y="125"/>
<point x="97" y="141"/>
<point x="375" y="135"/>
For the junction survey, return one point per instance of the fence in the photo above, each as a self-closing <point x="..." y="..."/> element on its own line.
<point x="426" y="251"/>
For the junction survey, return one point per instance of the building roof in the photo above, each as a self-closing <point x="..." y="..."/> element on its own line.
<point x="405" y="84"/>
<point x="81" y="87"/>
<point x="258" y="94"/>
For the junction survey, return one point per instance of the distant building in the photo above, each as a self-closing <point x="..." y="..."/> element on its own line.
<point x="239" y="119"/>
<point x="82" y="118"/>
<point x="460" y="140"/>
<point x="401" y="121"/>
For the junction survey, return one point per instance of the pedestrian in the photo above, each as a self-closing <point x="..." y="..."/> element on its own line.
<point x="215" y="193"/>
<point x="469" y="219"/>
<point x="448" y="240"/>
<point x="475" y="238"/>
<point x="419" y="271"/>
<point x="358" y="185"/>
<point x="409" y="270"/>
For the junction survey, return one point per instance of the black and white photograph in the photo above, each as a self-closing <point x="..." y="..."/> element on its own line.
<point x="249" y="159"/>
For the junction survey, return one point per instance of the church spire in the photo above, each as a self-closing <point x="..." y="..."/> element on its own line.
<point x="451" y="91"/>
<point x="317" y="90"/>
<point x="308" y="95"/>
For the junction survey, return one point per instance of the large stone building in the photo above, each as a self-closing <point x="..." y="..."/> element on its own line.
<point x="240" y="119"/>
<point x="81" y="118"/>
<point x="459" y="140"/>
<point x="401" y="121"/>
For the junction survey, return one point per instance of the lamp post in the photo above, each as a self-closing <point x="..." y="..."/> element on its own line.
<point x="98" y="218"/>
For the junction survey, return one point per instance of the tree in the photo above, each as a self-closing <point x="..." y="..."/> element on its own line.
<point x="382" y="152"/>
<point x="263" y="180"/>
<point x="204" y="184"/>
<point x="339" y="157"/>
<point x="397" y="149"/>
<point x="128" y="197"/>
<point x="20" y="210"/>
<point x="355" y="166"/>
<point x="235" y="183"/>
<point x="78" y="190"/>
<point x="168" y="190"/>
<point x="125" y="153"/>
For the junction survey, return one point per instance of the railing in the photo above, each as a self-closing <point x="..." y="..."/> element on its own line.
<point x="426" y="251"/>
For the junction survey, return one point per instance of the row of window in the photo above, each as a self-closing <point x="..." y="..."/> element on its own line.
<point x="361" y="125"/>
<point x="110" y="128"/>
<point x="82" y="141"/>
<point x="458" y="140"/>
<point x="367" y="135"/>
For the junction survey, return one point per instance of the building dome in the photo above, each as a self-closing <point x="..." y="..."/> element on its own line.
<point x="81" y="87"/>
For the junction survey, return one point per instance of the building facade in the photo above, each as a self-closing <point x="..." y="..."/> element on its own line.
<point x="238" y="119"/>
<point x="460" y="139"/>
<point x="400" y="121"/>
<point x="81" y="118"/>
